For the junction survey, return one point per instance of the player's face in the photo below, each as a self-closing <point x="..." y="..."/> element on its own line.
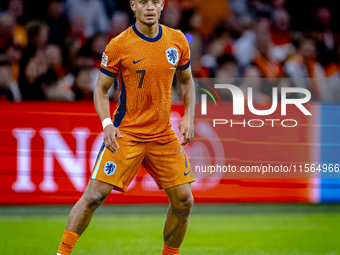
<point x="147" y="11"/>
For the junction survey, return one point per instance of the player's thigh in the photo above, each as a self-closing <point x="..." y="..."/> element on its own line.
<point x="168" y="164"/>
<point x="119" y="168"/>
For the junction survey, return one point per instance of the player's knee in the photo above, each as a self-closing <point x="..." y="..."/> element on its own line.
<point x="183" y="205"/>
<point x="94" y="200"/>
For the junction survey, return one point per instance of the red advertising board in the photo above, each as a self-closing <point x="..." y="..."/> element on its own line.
<point x="47" y="151"/>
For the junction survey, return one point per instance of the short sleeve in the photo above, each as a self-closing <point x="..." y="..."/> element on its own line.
<point x="111" y="60"/>
<point x="184" y="61"/>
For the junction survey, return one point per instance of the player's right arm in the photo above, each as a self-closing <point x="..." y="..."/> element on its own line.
<point x="102" y="105"/>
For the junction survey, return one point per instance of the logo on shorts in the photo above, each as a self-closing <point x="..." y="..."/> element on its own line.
<point x="104" y="59"/>
<point x="110" y="168"/>
<point x="185" y="174"/>
<point x="172" y="55"/>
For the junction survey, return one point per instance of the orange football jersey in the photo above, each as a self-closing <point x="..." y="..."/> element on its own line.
<point x="145" y="68"/>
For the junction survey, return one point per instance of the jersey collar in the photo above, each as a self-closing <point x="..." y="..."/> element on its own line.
<point x="147" y="38"/>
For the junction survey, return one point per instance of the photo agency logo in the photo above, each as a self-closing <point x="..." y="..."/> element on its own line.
<point x="288" y="96"/>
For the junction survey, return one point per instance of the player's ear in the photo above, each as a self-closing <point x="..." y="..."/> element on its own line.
<point x="132" y="5"/>
<point x="162" y="3"/>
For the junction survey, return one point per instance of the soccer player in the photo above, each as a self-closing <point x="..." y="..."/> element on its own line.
<point x="143" y="59"/>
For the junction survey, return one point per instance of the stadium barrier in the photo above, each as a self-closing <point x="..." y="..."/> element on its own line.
<point x="48" y="150"/>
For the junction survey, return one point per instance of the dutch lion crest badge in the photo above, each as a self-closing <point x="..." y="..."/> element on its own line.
<point x="172" y="55"/>
<point x="110" y="168"/>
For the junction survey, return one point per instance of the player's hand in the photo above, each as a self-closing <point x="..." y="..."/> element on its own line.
<point x="186" y="129"/>
<point x="110" y="141"/>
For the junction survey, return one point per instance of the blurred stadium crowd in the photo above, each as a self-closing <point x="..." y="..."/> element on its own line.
<point x="51" y="49"/>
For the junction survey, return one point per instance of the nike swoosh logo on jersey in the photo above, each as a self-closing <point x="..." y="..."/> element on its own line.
<point x="135" y="62"/>
<point x="66" y="244"/>
<point x="185" y="174"/>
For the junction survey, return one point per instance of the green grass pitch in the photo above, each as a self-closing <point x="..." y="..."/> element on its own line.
<point x="214" y="229"/>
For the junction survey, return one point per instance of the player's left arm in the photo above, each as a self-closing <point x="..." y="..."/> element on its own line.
<point x="187" y="89"/>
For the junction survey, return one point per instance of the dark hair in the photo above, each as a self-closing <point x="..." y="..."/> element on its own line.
<point x="5" y="62"/>
<point x="262" y="15"/>
<point x="227" y="58"/>
<point x="300" y="38"/>
<point x="33" y="28"/>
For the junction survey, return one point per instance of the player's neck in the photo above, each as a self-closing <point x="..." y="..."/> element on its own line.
<point x="148" y="31"/>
